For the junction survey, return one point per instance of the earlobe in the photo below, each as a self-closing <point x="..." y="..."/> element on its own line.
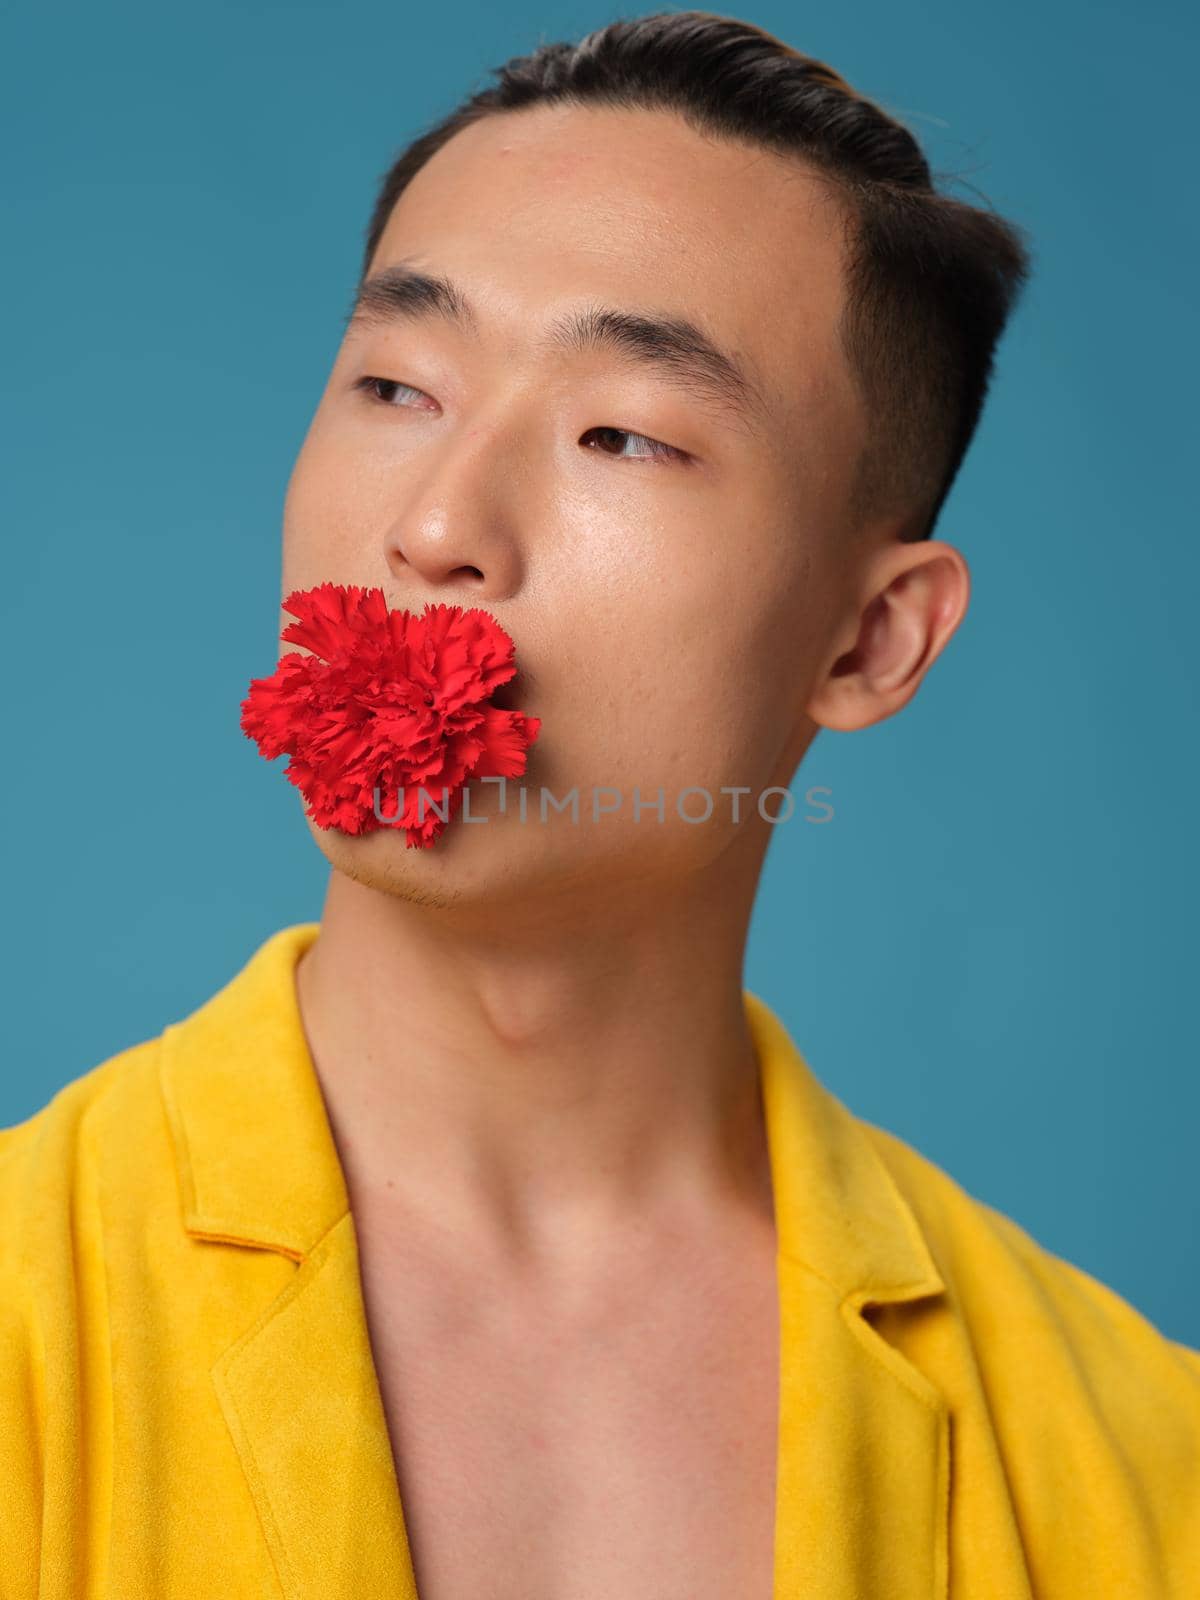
<point x="914" y="598"/>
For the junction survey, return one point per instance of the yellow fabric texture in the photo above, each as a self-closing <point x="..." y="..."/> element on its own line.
<point x="189" y="1405"/>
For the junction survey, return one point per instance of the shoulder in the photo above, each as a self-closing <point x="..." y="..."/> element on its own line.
<point x="45" y="1158"/>
<point x="101" y="1132"/>
<point x="1091" y="1410"/>
<point x="989" y="1261"/>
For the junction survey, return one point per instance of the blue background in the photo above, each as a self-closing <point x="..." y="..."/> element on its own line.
<point x="991" y="949"/>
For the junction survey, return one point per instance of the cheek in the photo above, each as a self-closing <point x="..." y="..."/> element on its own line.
<point x="731" y="667"/>
<point x="701" y="645"/>
<point x="322" y="513"/>
<point x="686" y="698"/>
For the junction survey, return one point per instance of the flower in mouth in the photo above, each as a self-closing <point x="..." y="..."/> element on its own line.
<point x="388" y="701"/>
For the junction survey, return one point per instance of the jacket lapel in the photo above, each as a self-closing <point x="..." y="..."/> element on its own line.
<point x="297" y="1386"/>
<point x="864" y="1441"/>
<point x="299" y="1394"/>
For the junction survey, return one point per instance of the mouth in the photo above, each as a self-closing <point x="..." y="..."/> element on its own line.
<point x="509" y="695"/>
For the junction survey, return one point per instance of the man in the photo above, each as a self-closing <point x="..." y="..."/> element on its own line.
<point x="486" y="1239"/>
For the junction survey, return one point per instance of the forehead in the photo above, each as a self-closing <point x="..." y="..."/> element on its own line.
<point x="541" y="207"/>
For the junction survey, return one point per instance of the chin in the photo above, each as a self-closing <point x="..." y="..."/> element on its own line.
<point x="475" y="864"/>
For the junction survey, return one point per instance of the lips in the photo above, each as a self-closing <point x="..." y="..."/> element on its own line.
<point x="389" y="703"/>
<point x="509" y="695"/>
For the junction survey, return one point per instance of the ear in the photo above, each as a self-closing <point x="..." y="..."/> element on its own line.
<point x="911" y="599"/>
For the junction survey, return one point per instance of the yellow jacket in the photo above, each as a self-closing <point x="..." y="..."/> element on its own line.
<point x="189" y="1406"/>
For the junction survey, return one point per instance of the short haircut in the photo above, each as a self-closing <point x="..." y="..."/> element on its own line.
<point x="930" y="280"/>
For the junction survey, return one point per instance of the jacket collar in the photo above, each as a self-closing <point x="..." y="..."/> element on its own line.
<point x="863" y="1463"/>
<point x="256" y="1157"/>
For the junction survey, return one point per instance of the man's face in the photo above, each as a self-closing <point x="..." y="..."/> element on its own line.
<point x="669" y="607"/>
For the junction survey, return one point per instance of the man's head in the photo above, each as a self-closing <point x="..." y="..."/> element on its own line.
<point x="666" y="353"/>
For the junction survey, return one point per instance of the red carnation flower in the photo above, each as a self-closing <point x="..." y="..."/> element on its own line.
<point x="387" y="699"/>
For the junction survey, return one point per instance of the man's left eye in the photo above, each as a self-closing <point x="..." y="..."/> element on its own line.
<point x="655" y="450"/>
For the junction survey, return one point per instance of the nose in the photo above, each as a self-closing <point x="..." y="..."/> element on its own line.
<point x="457" y="537"/>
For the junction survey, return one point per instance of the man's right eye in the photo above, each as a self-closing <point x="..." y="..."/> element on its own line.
<point x="371" y="387"/>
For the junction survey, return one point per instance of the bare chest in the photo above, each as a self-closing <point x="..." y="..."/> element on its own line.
<point x="629" y="1449"/>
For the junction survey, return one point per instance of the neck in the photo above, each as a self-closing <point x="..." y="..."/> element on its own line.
<point x="534" y="1091"/>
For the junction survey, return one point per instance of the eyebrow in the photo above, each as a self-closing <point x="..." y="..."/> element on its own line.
<point x="672" y="346"/>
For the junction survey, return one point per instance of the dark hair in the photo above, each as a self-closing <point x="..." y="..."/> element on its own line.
<point x="930" y="280"/>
